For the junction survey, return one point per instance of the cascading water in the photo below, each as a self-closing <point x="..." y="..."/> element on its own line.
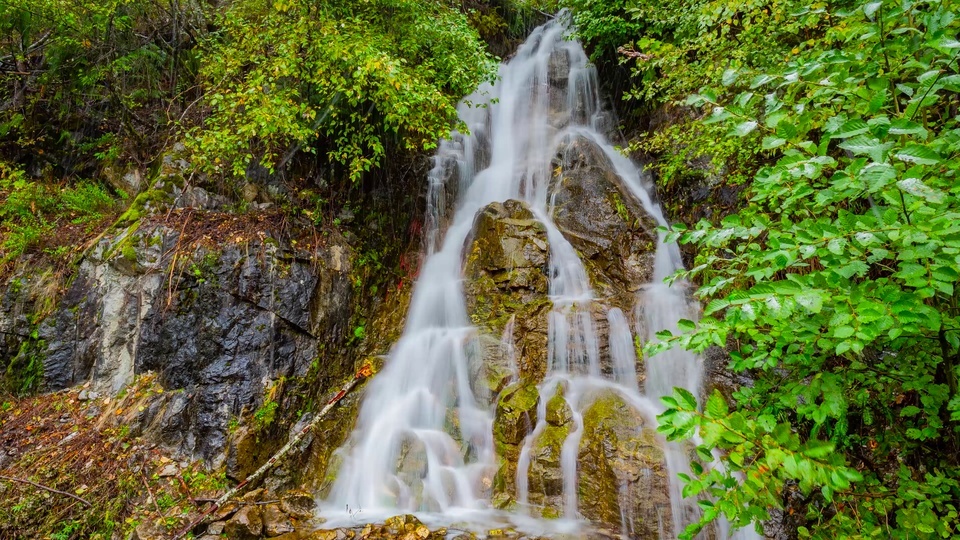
<point x="406" y="455"/>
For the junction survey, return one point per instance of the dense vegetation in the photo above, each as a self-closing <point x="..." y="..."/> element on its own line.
<point x="91" y="92"/>
<point x="834" y="285"/>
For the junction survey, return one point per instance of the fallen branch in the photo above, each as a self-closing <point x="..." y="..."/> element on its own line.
<point x="364" y="372"/>
<point x="41" y="486"/>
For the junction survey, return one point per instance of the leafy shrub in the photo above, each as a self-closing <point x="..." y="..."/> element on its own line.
<point x="30" y="209"/>
<point x="834" y="286"/>
<point x="343" y="78"/>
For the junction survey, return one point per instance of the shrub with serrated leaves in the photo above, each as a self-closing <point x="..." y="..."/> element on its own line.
<point x="341" y="78"/>
<point x="835" y="284"/>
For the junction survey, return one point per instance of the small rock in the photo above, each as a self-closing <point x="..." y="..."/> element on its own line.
<point x="225" y="511"/>
<point x="88" y="395"/>
<point x="169" y="470"/>
<point x="250" y="192"/>
<point x="246" y="524"/>
<point x="325" y="535"/>
<point x="216" y="528"/>
<point x="253" y="496"/>
<point x="149" y="530"/>
<point x="275" y="522"/>
<point x="299" y="504"/>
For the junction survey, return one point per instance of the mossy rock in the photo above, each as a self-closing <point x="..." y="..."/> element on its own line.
<point x="516" y="413"/>
<point x="622" y="473"/>
<point x="516" y="416"/>
<point x="506" y="279"/>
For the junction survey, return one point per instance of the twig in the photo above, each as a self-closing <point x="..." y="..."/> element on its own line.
<point x="150" y="491"/>
<point x="363" y="373"/>
<point x="41" y="486"/>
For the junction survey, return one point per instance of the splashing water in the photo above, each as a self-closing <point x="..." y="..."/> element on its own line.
<point x="404" y="455"/>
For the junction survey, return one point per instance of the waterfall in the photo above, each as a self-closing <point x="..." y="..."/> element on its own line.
<point x="405" y="454"/>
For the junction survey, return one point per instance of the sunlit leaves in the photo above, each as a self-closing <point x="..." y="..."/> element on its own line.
<point x="347" y="79"/>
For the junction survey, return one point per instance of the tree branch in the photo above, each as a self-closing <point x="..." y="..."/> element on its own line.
<point x="41" y="486"/>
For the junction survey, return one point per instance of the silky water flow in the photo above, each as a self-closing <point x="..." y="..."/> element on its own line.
<point x="516" y="126"/>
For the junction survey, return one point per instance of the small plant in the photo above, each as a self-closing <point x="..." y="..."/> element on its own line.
<point x="265" y="414"/>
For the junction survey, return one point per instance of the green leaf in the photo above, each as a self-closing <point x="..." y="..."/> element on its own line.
<point x="863" y="145"/>
<point x="729" y="76"/>
<point x="842" y="332"/>
<point x="851" y="128"/>
<point x="812" y="301"/>
<point x="923" y="155"/>
<point x="686" y="325"/>
<point x="902" y="126"/>
<point x="716" y="406"/>
<point x="770" y="142"/>
<point x="685" y="399"/>
<point x="744" y="128"/>
<point x="915" y="187"/>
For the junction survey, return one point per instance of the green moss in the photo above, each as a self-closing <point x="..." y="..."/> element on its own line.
<point x="129" y="252"/>
<point x="141" y="204"/>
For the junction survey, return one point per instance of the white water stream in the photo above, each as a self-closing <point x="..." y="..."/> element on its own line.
<point x="406" y="408"/>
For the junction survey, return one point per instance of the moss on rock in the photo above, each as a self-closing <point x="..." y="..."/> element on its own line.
<point x="622" y="474"/>
<point x="506" y="278"/>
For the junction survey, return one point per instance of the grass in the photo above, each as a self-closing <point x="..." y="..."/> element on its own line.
<point x="46" y="217"/>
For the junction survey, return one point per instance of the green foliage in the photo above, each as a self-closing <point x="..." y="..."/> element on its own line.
<point x="30" y="209"/>
<point x="834" y="286"/>
<point x="344" y="78"/>
<point x="83" y="80"/>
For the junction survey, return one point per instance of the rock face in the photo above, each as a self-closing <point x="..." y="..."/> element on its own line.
<point x="622" y="476"/>
<point x="608" y="226"/>
<point x="221" y="326"/>
<point x="506" y="280"/>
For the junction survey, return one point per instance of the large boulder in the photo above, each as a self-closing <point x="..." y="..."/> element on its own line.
<point x="615" y="236"/>
<point x="506" y="280"/>
<point x="623" y="480"/>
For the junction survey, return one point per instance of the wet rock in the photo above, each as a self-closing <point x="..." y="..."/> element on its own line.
<point x="558" y="410"/>
<point x="299" y="504"/>
<point x="406" y="527"/>
<point x="603" y="220"/>
<point x="545" y="475"/>
<point x="506" y="279"/>
<point x="558" y="68"/>
<point x="245" y="453"/>
<point x="493" y="366"/>
<point x="516" y="413"/>
<point x="275" y="522"/>
<point x="515" y="418"/>
<point x="227" y="325"/>
<point x="246" y="524"/>
<point x="622" y="474"/>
